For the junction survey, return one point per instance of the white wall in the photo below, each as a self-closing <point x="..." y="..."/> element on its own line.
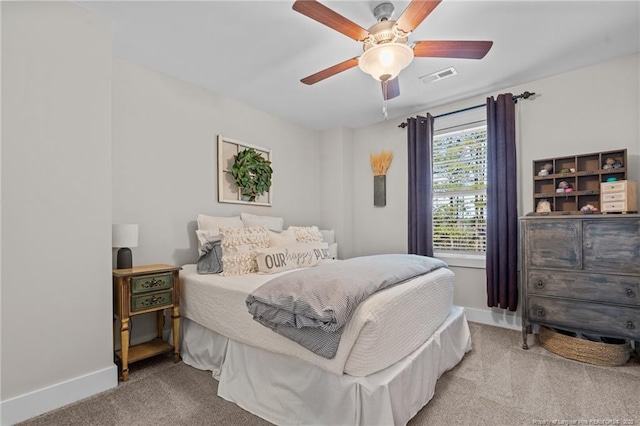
<point x="336" y="159"/>
<point x="588" y="110"/>
<point x="165" y="164"/>
<point x="56" y="207"/>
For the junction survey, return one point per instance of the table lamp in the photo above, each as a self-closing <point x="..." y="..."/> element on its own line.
<point x="124" y="236"/>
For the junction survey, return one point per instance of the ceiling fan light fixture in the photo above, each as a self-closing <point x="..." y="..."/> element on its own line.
<point x="385" y="61"/>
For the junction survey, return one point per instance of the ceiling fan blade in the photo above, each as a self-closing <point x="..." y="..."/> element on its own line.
<point x="390" y="89"/>
<point x="415" y="13"/>
<point x="331" y="19"/>
<point x="452" y="49"/>
<point x="326" y="73"/>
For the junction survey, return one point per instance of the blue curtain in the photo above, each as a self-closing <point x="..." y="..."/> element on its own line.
<point x="419" y="146"/>
<point x="502" y="207"/>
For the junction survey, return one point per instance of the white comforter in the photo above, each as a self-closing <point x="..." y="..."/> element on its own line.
<point x="385" y="328"/>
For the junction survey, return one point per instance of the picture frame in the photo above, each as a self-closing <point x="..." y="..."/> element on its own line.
<point x="228" y="191"/>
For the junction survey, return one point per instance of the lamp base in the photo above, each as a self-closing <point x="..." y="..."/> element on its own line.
<point x="124" y="259"/>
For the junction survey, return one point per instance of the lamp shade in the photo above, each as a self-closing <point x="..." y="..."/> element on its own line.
<point x="385" y="61"/>
<point x="124" y="235"/>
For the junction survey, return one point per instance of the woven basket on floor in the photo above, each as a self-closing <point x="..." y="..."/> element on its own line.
<point x="583" y="350"/>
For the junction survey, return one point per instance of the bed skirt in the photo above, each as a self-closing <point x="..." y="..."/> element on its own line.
<point x="286" y="390"/>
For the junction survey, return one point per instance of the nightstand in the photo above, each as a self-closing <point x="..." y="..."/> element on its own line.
<point x="141" y="290"/>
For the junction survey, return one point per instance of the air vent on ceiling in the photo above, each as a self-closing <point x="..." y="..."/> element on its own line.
<point x="437" y="76"/>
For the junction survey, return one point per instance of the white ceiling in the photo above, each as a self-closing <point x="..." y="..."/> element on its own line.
<point x="257" y="51"/>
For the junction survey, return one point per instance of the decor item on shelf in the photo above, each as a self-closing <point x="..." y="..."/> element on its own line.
<point x="380" y="164"/>
<point x="124" y="236"/>
<point x="252" y="173"/>
<point x="572" y="170"/>
<point x="564" y="186"/>
<point x="548" y="167"/>
<point x="612" y="163"/>
<point x="543" y="172"/>
<point x="565" y="170"/>
<point x="612" y="179"/>
<point x="588" y="208"/>
<point x="543" y="206"/>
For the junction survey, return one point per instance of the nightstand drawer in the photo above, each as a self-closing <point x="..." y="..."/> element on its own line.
<point x="151" y="300"/>
<point x="151" y="283"/>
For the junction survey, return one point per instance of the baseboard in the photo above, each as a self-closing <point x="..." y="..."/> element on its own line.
<point x="40" y="401"/>
<point x="496" y="318"/>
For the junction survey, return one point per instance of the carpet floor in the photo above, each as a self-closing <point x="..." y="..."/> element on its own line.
<point x="497" y="383"/>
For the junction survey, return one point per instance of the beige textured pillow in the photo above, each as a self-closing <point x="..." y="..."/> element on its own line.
<point x="283" y="238"/>
<point x="292" y="256"/>
<point x="239" y="247"/>
<point x="306" y="234"/>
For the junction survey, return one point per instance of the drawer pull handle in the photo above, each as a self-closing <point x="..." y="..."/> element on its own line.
<point x="154" y="283"/>
<point x="589" y="245"/>
<point x="630" y="325"/>
<point x="540" y="312"/>
<point x="540" y="284"/>
<point x="630" y="293"/>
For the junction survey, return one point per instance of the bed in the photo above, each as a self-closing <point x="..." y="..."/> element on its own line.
<point x="394" y="348"/>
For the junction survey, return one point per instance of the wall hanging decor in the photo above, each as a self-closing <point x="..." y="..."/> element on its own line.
<point x="380" y="164"/>
<point x="244" y="173"/>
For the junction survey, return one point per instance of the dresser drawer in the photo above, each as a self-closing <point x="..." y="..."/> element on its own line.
<point x="614" y="196"/>
<point x="607" y="320"/>
<point x="148" y="283"/>
<point x="618" y="206"/>
<point x="619" y="289"/>
<point x="613" y="186"/>
<point x="145" y="301"/>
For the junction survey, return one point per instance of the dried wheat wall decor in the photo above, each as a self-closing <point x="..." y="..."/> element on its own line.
<point x="379" y="165"/>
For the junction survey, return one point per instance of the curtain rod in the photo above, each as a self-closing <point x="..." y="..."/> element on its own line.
<point x="525" y="95"/>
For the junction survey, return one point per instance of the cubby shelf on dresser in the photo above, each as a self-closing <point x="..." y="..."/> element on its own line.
<point x="585" y="178"/>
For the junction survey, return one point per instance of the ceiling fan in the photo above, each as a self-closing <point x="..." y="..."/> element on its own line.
<point x="386" y="45"/>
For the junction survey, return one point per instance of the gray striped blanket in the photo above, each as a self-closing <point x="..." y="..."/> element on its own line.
<point x="311" y="306"/>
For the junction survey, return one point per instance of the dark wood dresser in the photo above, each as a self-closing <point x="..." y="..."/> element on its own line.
<point x="581" y="273"/>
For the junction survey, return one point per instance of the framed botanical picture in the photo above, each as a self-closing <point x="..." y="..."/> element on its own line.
<point x="244" y="173"/>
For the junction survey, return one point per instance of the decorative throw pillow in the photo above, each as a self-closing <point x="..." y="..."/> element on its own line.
<point x="239" y="247"/>
<point x="271" y="222"/>
<point x="292" y="256"/>
<point x="210" y="260"/>
<point x="277" y="239"/>
<point x="306" y="234"/>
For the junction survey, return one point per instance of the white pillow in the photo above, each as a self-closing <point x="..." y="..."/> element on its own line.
<point x="306" y="234"/>
<point x="212" y="223"/>
<point x="271" y="222"/>
<point x="239" y="247"/>
<point x="328" y="235"/>
<point x="291" y="256"/>
<point x="283" y="238"/>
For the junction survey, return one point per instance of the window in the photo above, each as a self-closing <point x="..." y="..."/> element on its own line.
<point x="460" y="189"/>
